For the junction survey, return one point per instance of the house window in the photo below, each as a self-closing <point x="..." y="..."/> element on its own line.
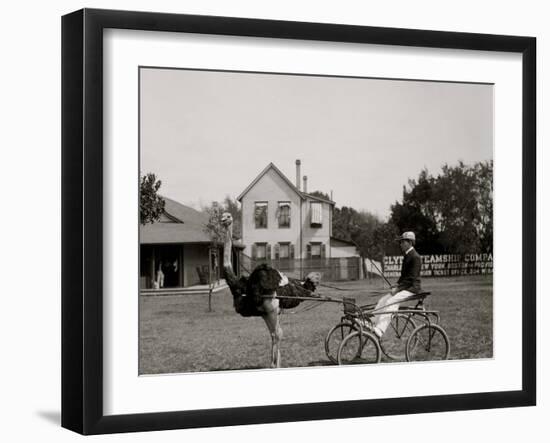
<point x="261" y="251"/>
<point x="283" y="214"/>
<point x="316" y="250"/>
<point x="260" y="215"/>
<point x="284" y="250"/>
<point x="316" y="214"/>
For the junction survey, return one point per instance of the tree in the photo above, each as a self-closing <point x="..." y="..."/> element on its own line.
<point x="151" y="204"/>
<point x="456" y="195"/>
<point x="216" y="209"/>
<point x="450" y="213"/>
<point x="384" y="241"/>
<point x="320" y="194"/>
<point x="418" y="213"/>
<point x="216" y="231"/>
<point x="234" y="208"/>
<point x="358" y="227"/>
<point x="213" y="226"/>
<point x="372" y="236"/>
<point x="361" y="228"/>
<point x="484" y="174"/>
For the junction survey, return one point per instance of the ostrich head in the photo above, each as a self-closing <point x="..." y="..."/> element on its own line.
<point x="226" y="219"/>
<point x="313" y="279"/>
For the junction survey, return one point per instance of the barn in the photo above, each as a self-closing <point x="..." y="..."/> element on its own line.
<point x="178" y="246"/>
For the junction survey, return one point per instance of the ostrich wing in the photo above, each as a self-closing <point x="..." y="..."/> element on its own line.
<point x="264" y="280"/>
<point x="293" y="289"/>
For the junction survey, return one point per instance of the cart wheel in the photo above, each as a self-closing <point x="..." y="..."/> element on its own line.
<point x="394" y="340"/>
<point x="335" y="337"/>
<point x="359" y="347"/>
<point x="428" y="342"/>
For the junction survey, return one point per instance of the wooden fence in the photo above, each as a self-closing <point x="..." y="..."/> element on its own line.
<point x="332" y="269"/>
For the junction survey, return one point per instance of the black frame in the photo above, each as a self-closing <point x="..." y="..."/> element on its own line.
<point x="82" y="235"/>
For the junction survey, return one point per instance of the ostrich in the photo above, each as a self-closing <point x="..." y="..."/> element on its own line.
<point x="256" y="295"/>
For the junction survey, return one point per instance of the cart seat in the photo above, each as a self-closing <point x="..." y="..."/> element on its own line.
<point x="422" y="294"/>
<point x="417" y="297"/>
<point x="350" y="307"/>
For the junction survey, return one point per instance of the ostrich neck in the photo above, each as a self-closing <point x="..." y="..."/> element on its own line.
<point x="229" y="275"/>
<point x="227" y="248"/>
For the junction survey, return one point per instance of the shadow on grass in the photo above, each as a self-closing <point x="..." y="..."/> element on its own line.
<point x="310" y="364"/>
<point x="236" y="369"/>
<point x="321" y="363"/>
<point x="177" y="335"/>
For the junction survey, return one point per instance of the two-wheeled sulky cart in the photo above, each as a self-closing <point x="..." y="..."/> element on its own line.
<point x="414" y="334"/>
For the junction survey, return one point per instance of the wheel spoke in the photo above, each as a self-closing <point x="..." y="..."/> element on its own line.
<point x="335" y="336"/>
<point x="428" y="342"/>
<point x="394" y="341"/>
<point x="359" y="348"/>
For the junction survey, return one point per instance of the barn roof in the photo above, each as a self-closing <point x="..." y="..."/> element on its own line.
<point x="184" y="225"/>
<point x="271" y="166"/>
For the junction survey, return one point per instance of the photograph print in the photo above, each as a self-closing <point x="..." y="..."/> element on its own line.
<point x="291" y="220"/>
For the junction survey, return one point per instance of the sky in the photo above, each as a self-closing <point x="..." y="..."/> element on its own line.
<point x="208" y="134"/>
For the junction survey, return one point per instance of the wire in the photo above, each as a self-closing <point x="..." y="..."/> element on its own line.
<point x="334" y="287"/>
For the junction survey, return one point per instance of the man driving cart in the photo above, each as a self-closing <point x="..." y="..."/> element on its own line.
<point x="407" y="285"/>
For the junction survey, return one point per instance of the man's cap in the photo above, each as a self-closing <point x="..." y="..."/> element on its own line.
<point x="409" y="235"/>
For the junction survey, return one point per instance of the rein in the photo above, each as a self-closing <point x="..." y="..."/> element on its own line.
<point x="334" y="287"/>
<point x="305" y="308"/>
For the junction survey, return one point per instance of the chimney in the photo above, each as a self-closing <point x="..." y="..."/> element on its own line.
<point x="298" y="163"/>
<point x="305" y="184"/>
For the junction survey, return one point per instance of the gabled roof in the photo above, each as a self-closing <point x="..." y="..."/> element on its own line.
<point x="165" y="217"/>
<point x="335" y="241"/>
<point x="265" y="171"/>
<point x="315" y="197"/>
<point x="272" y="166"/>
<point x="188" y="226"/>
<point x="183" y="213"/>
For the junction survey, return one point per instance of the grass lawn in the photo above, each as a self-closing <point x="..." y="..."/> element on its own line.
<point x="178" y="334"/>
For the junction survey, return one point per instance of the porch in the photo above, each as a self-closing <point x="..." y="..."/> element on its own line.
<point x="164" y="267"/>
<point x="171" y="268"/>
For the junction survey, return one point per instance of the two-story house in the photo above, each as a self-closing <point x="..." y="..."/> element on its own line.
<point x="280" y="220"/>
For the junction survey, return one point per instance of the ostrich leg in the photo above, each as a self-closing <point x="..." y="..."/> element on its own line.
<point x="271" y="317"/>
<point x="270" y="305"/>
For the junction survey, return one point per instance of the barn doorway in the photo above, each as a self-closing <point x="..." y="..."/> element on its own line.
<point x="168" y="266"/>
